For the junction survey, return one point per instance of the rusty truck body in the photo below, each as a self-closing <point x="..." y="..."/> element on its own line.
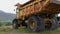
<point x="37" y="15"/>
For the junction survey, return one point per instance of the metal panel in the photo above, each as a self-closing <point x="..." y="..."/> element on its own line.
<point x="32" y="9"/>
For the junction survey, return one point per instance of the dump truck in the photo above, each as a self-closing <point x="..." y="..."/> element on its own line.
<point x="37" y="15"/>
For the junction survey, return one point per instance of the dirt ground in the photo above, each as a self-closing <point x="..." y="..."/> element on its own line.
<point x="21" y="30"/>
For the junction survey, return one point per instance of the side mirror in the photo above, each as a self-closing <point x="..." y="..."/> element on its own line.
<point x="14" y="9"/>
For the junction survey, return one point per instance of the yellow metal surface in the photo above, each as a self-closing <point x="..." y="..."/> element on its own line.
<point x="31" y="8"/>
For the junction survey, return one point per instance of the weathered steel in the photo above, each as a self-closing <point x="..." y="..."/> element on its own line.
<point x="37" y="6"/>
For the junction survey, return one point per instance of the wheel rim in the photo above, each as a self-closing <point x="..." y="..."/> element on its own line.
<point x="14" y="24"/>
<point x="32" y="25"/>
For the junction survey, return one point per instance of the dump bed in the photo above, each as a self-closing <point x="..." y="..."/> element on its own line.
<point x="34" y="7"/>
<point x="53" y="7"/>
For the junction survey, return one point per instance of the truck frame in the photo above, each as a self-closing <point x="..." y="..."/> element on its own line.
<point x="37" y="15"/>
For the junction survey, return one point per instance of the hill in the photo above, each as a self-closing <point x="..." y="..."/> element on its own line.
<point x="6" y="17"/>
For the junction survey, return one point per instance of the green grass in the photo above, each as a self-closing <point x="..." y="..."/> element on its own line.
<point x="56" y="31"/>
<point x="10" y="30"/>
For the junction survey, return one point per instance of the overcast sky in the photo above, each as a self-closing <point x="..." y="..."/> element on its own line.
<point x="8" y="5"/>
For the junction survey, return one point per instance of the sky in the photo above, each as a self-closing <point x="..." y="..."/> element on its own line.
<point x="8" y="5"/>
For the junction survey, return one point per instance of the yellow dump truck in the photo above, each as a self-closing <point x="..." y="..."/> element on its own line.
<point x="37" y="15"/>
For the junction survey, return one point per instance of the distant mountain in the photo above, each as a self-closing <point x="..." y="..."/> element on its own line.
<point x="6" y="17"/>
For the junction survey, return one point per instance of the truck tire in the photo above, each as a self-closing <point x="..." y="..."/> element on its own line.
<point x="35" y="25"/>
<point x="15" y="24"/>
<point x="54" y="24"/>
